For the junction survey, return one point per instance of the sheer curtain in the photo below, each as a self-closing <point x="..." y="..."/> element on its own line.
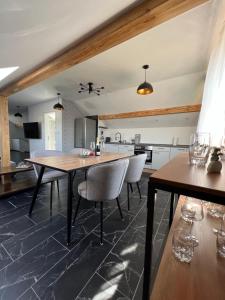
<point x="212" y="115"/>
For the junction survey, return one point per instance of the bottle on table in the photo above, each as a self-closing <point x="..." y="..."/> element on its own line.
<point x="97" y="149"/>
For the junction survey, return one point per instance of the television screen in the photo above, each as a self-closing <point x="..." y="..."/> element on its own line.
<point x="31" y="130"/>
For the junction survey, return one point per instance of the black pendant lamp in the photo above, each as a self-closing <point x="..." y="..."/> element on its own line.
<point x="145" y="88"/>
<point x="58" y="106"/>
<point x="18" y="114"/>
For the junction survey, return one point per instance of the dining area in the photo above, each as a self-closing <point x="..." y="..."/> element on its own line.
<point x="104" y="255"/>
<point x="104" y="177"/>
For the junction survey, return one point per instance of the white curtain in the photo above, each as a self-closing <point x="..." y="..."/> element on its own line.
<point x="212" y="115"/>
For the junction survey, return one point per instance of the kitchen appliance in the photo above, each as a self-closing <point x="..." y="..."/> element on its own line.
<point x="85" y="132"/>
<point x="108" y="139"/>
<point x="140" y="149"/>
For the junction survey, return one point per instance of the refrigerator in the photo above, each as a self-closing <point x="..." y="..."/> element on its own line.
<point x="85" y="132"/>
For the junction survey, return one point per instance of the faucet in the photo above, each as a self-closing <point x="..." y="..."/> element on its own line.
<point x="116" y="136"/>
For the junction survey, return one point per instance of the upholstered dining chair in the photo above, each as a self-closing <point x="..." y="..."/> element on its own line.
<point x="104" y="183"/>
<point x="49" y="174"/>
<point x="134" y="172"/>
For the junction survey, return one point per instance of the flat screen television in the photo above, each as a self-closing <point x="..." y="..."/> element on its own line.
<point x="31" y="130"/>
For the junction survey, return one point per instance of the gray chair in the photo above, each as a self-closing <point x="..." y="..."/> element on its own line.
<point x="104" y="182"/>
<point x="49" y="174"/>
<point x="134" y="172"/>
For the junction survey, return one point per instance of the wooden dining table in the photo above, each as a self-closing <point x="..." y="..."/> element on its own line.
<point x="69" y="163"/>
<point x="179" y="177"/>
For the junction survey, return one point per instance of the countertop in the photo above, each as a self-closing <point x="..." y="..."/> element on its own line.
<point x="151" y="144"/>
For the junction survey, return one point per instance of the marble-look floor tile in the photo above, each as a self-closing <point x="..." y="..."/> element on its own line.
<point x="18" y="276"/>
<point x="98" y="288"/>
<point x="41" y="214"/>
<point x="9" y="230"/>
<point x="114" y="226"/>
<point x="139" y="289"/>
<point x="12" y="214"/>
<point x="20" y="244"/>
<point x="158" y="243"/>
<point x="23" y="199"/>
<point x="29" y="295"/>
<point x="67" y="270"/>
<point x="5" y="206"/>
<point x="117" y="272"/>
<point x="67" y="278"/>
<point x="4" y="258"/>
<point x="131" y="248"/>
<point x="163" y="227"/>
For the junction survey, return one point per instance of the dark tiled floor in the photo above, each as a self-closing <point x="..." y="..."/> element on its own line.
<point x="36" y="264"/>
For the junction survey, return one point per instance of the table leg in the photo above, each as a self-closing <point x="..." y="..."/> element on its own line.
<point x="36" y="189"/>
<point x="69" y="206"/>
<point x="148" y="242"/>
<point x="171" y="208"/>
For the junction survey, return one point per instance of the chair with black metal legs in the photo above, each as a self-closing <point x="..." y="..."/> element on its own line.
<point x="134" y="172"/>
<point x="104" y="183"/>
<point x="49" y="175"/>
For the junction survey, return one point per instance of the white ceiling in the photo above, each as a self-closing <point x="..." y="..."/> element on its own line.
<point x="177" y="52"/>
<point x="32" y="31"/>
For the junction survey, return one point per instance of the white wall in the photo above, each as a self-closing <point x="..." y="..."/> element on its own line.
<point x="36" y="114"/>
<point x="64" y="124"/>
<point x="160" y="135"/>
<point x="16" y="126"/>
<point x="69" y="114"/>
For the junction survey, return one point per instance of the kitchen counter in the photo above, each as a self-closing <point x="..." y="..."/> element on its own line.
<point x="152" y="144"/>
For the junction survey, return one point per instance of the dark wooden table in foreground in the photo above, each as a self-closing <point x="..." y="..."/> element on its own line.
<point x="204" y="277"/>
<point x="69" y="163"/>
<point x="179" y="177"/>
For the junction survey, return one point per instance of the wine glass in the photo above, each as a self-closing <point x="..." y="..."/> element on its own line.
<point x="192" y="210"/>
<point x="92" y="146"/>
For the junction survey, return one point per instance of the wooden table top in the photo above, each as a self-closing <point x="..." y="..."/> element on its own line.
<point x="203" y="278"/>
<point x="179" y="173"/>
<point x="13" y="170"/>
<point x="71" y="162"/>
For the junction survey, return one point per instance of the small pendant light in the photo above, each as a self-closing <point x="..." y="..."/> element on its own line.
<point x="145" y="88"/>
<point x="58" y="106"/>
<point x="18" y="114"/>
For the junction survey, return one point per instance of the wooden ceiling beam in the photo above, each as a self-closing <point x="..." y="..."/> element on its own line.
<point x="153" y="112"/>
<point x="4" y="132"/>
<point x="145" y="16"/>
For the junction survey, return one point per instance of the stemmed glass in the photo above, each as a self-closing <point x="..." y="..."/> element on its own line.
<point x="192" y="210"/>
<point x="92" y="146"/>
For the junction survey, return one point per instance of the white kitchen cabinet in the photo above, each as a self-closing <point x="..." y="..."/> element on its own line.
<point x="126" y="149"/>
<point x="176" y="150"/>
<point x="111" y="148"/>
<point x="119" y="148"/>
<point x="160" y="157"/>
